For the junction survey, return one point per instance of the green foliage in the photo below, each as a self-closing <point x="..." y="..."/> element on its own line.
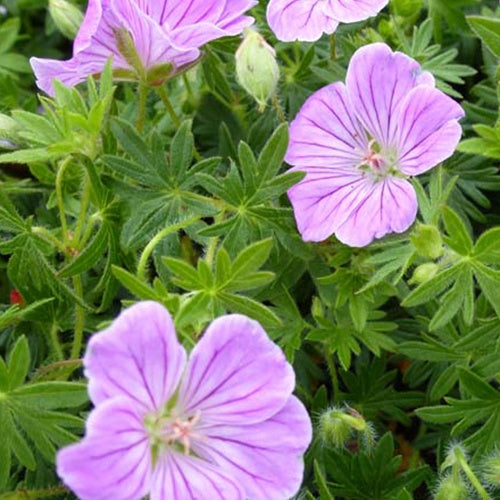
<point x="27" y="413"/>
<point x="108" y="196"/>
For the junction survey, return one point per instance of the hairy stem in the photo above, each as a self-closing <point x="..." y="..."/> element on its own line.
<point x="148" y="250"/>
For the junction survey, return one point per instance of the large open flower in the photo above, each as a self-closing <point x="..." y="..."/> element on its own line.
<point x="359" y="143"/>
<point x="307" y="20"/>
<point x="148" y="39"/>
<point x="224" y="425"/>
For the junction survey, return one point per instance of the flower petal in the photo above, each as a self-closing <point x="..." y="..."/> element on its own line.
<point x="387" y="206"/>
<point x="324" y="199"/>
<point x="299" y="20"/>
<point x="137" y="357"/>
<point x="325" y="132"/>
<point x="378" y="80"/>
<point x="427" y="129"/>
<point x="354" y="10"/>
<point x="113" y="460"/>
<point x="180" y="477"/>
<point x="264" y="458"/>
<point x="236" y="374"/>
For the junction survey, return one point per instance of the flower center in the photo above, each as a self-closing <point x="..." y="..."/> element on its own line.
<point x="377" y="164"/>
<point x="173" y="430"/>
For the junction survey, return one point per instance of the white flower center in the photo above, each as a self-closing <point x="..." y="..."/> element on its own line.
<point x="173" y="431"/>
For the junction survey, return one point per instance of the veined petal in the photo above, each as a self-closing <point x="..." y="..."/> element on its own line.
<point x="387" y="206"/>
<point x="324" y="199"/>
<point x="325" y="131"/>
<point x="180" y="477"/>
<point x="354" y="10"/>
<point x="113" y="460"/>
<point x="153" y="44"/>
<point x="137" y="357"/>
<point x="89" y="25"/>
<point x="378" y="81"/>
<point x="304" y="20"/>
<point x="68" y="72"/>
<point x="427" y="128"/>
<point x="235" y="374"/>
<point x="264" y="458"/>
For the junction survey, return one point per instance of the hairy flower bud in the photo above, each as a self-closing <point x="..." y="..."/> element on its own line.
<point x="424" y="272"/>
<point x="336" y="425"/>
<point x="256" y="67"/>
<point x="491" y="472"/>
<point x="66" y="16"/>
<point x="452" y="487"/>
<point x="427" y="241"/>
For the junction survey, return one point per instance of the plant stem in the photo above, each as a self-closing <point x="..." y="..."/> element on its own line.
<point x="333" y="50"/>
<point x="470" y="475"/>
<point x="148" y="250"/>
<point x="54" y="366"/>
<point x="168" y="106"/>
<point x="56" y="345"/>
<point x="278" y="108"/>
<point x="60" y="198"/>
<point x="330" y="362"/>
<point x="79" y="319"/>
<point x="83" y="210"/>
<point x="46" y="235"/>
<point x="143" y="96"/>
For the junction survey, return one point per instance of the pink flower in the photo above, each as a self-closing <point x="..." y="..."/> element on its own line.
<point x="223" y="425"/>
<point x="359" y="143"/>
<point x="307" y="20"/>
<point x="148" y="39"/>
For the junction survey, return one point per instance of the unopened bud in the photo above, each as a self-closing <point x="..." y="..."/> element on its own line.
<point x="452" y="487"/>
<point x="336" y="425"/>
<point x="427" y="241"/>
<point x="424" y="273"/>
<point x="491" y="472"/>
<point x="256" y="67"/>
<point x="66" y="16"/>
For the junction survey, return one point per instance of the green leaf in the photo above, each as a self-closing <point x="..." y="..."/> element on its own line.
<point x="181" y="150"/>
<point x="51" y="395"/>
<point x="271" y="158"/>
<point x="487" y="247"/>
<point x="250" y="307"/>
<point x="89" y="256"/>
<point x="476" y="386"/>
<point x="324" y="493"/>
<point x="459" y="239"/>
<point x="433" y="287"/>
<point x="251" y="258"/>
<point x="488" y="29"/>
<point x="489" y="282"/>
<point x="134" y="285"/>
<point x="18" y="363"/>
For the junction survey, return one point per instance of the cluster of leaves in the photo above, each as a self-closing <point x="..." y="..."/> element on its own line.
<point x="95" y="214"/>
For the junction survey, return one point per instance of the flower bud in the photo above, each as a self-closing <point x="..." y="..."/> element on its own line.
<point x="66" y="16"/>
<point x="424" y="273"/>
<point x="256" y="67"/>
<point x="336" y="425"/>
<point x="452" y="487"/>
<point x="427" y="241"/>
<point x="491" y="472"/>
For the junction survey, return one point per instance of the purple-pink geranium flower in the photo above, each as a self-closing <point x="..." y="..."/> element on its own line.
<point x="360" y="142"/>
<point x="223" y="425"/>
<point x="307" y="20"/>
<point x="165" y="36"/>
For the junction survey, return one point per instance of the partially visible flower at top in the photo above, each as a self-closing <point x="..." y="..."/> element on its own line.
<point x="149" y="40"/>
<point x="307" y="20"/>
<point x="224" y="425"/>
<point x="359" y="143"/>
